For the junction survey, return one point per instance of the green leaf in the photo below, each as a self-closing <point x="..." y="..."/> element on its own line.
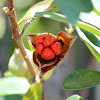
<point x="96" y="4"/>
<point x="13" y="97"/>
<point x="72" y="8"/>
<point x="2" y="26"/>
<point x="74" y="97"/>
<point x="90" y="28"/>
<point x="91" y="37"/>
<point x="81" y="79"/>
<point x="8" y="73"/>
<point x="13" y="85"/>
<point x="62" y="18"/>
<point x="47" y="75"/>
<point x="93" y="51"/>
<point x="54" y="10"/>
<point x="54" y="16"/>
<point x="96" y="11"/>
<point x="17" y="65"/>
<point x="34" y="93"/>
<point x="39" y="7"/>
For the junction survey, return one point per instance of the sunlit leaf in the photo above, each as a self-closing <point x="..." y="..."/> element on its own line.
<point x="47" y="75"/>
<point x="74" y="97"/>
<point x="72" y="8"/>
<point x="96" y="4"/>
<point x="39" y="7"/>
<point x="13" y="85"/>
<point x="8" y="73"/>
<point x="34" y="93"/>
<point x="54" y="10"/>
<point x="94" y="49"/>
<point x="88" y="27"/>
<point x="96" y="11"/>
<point x="81" y="79"/>
<point x="92" y="37"/>
<point x="54" y="16"/>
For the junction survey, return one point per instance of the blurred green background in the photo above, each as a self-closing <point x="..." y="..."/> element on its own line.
<point x="79" y="56"/>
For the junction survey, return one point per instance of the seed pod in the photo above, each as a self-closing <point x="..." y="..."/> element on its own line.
<point x="52" y="49"/>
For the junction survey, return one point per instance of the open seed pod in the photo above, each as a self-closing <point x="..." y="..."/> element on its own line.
<point x="50" y="49"/>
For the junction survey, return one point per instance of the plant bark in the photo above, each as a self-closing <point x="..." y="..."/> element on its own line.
<point x="16" y="36"/>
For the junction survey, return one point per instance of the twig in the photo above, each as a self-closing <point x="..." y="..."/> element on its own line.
<point x="16" y="36"/>
<point x="26" y="25"/>
<point x="12" y="15"/>
<point x="43" y="95"/>
<point x="22" y="49"/>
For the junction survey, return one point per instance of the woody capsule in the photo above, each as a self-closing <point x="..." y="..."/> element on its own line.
<point x="50" y="49"/>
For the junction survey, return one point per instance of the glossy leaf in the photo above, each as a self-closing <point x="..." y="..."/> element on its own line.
<point x="74" y="97"/>
<point x="91" y="37"/>
<point x="39" y="7"/>
<point x="93" y="51"/>
<point x="54" y="16"/>
<point x="34" y="93"/>
<point x="91" y="18"/>
<point x="88" y="27"/>
<point x="13" y="85"/>
<point x="72" y="8"/>
<point x="81" y="79"/>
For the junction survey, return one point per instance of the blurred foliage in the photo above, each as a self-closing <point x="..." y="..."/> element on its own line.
<point x="68" y="12"/>
<point x="13" y="85"/>
<point x="17" y="66"/>
<point x="11" y="97"/>
<point x="2" y="21"/>
<point x="72" y="8"/>
<point x="74" y="97"/>
<point x="34" y="92"/>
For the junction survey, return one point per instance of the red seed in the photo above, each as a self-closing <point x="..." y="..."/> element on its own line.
<point x="39" y="48"/>
<point x="57" y="48"/>
<point x="40" y="39"/>
<point x="49" y="39"/>
<point x="47" y="54"/>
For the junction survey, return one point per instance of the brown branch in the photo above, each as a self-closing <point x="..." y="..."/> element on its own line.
<point x="17" y="39"/>
<point x="43" y="95"/>
<point x="26" y="25"/>
<point x="22" y="49"/>
<point x="12" y="15"/>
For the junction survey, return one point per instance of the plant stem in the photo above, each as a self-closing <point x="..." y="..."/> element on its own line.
<point x="43" y="95"/>
<point x="12" y="15"/>
<point x="22" y="49"/>
<point x="16" y="36"/>
<point x="26" y="25"/>
<point x="18" y="40"/>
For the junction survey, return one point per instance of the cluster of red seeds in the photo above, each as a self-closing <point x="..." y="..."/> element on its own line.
<point x="48" y="47"/>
